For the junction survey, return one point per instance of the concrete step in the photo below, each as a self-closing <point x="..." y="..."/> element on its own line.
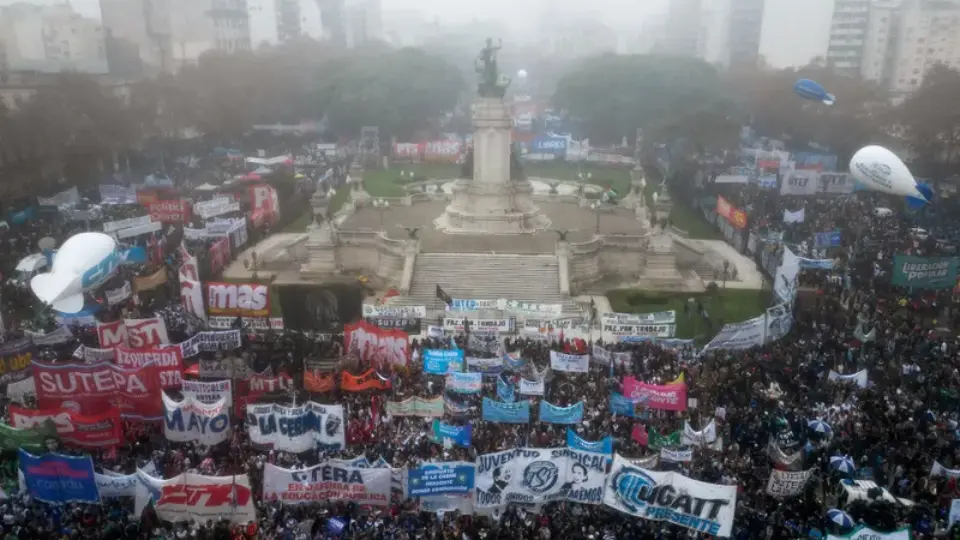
<point x="532" y="278"/>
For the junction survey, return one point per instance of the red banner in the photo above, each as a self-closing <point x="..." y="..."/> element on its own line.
<point x="112" y="334"/>
<point x="168" y="360"/>
<point x="84" y="431"/>
<point x="219" y="255"/>
<point x="729" y="212"/>
<point x="170" y="211"/>
<point x="377" y="346"/>
<point x="265" y="205"/>
<point x="371" y="380"/>
<point x="238" y="299"/>
<point x="315" y="381"/>
<point x="445" y="151"/>
<point x="411" y="151"/>
<point x="92" y="388"/>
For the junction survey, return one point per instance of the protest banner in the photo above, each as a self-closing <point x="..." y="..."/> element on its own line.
<point x="369" y="380"/>
<point x="506" y="413"/>
<point x="440" y="479"/>
<point x="552" y="414"/>
<point x="101" y="430"/>
<point x="59" y="479"/>
<point x="194" y="497"/>
<point x="574" y="363"/>
<point x="376" y="346"/>
<point x="787" y="483"/>
<point x="91" y="387"/>
<point x="327" y="482"/>
<point x="208" y="392"/>
<point x="192" y="421"/>
<point x="667" y="397"/>
<point x="168" y="361"/>
<point x="296" y="429"/>
<point x="706" y="508"/>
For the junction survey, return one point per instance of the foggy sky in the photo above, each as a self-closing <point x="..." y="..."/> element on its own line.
<point x="518" y="14"/>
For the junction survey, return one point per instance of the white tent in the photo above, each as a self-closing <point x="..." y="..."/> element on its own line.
<point x="206" y="187"/>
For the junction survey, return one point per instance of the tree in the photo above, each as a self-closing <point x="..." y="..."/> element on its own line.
<point x="401" y="91"/>
<point x="858" y="117"/>
<point x="613" y="95"/>
<point x="930" y="118"/>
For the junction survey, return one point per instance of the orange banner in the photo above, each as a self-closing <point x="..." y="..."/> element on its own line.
<point x="370" y="380"/>
<point x="315" y="381"/>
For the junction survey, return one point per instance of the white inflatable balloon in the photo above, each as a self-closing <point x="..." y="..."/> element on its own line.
<point x="83" y="263"/>
<point x="879" y="169"/>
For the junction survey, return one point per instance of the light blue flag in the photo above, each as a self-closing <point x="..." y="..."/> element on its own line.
<point x="441" y="362"/>
<point x="513" y="363"/>
<point x="505" y="391"/>
<point x="460" y="435"/>
<point x="551" y="414"/>
<point x="603" y="446"/>
<point x="506" y="413"/>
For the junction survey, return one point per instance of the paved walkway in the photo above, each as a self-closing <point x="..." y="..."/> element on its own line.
<point x="750" y="276"/>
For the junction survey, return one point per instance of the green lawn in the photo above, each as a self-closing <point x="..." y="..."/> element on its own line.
<point x="299" y="224"/>
<point x="388" y="183"/>
<point x="727" y="306"/>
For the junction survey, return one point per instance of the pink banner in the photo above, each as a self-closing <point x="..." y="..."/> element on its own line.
<point x="667" y="397"/>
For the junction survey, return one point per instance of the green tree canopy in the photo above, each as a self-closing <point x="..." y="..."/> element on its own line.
<point x="613" y="95"/>
<point x="929" y="120"/>
<point x="858" y="117"/>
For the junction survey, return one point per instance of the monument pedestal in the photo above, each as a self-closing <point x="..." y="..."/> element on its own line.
<point x="491" y="202"/>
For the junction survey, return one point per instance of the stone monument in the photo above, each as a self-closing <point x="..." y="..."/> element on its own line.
<point x="493" y="201"/>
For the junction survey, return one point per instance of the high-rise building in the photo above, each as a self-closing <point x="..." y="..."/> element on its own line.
<point x="743" y="32"/>
<point x="926" y="33"/>
<point x="848" y="33"/>
<point x="350" y="23"/>
<point x="289" y="15"/>
<point x="162" y="35"/>
<point x="50" y="39"/>
<point x="682" y="33"/>
<point x="894" y="42"/>
<point x="729" y="31"/>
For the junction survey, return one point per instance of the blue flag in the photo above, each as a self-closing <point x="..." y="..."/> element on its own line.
<point x="460" y="435"/>
<point x="505" y="391"/>
<point x="54" y="478"/>
<point x="506" y="413"/>
<point x="603" y="446"/>
<point x="551" y="414"/>
<point x="441" y="362"/>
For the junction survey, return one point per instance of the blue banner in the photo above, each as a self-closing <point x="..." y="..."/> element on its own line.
<point x="826" y="239"/>
<point x="455" y="408"/>
<point x="506" y="413"/>
<point x="23" y="216"/>
<point x="816" y="264"/>
<point x="336" y="526"/>
<point x="549" y="145"/>
<point x="603" y="446"/>
<point x="54" y="478"/>
<point x="134" y="255"/>
<point x="624" y="406"/>
<point x="551" y="414"/>
<point x="460" y="435"/>
<point x="465" y="383"/>
<point x="513" y="363"/>
<point x="441" y="362"/>
<point x="505" y="391"/>
<point x="814" y="160"/>
<point x="441" y="479"/>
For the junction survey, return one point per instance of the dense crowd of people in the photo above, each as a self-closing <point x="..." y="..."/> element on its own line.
<point x="764" y="402"/>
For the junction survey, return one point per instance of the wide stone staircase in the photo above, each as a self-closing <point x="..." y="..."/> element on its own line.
<point x="532" y="278"/>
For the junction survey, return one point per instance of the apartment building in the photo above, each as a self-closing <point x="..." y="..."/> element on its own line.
<point x="848" y="31"/>
<point x="50" y="39"/>
<point x="350" y="23"/>
<point x="148" y="36"/>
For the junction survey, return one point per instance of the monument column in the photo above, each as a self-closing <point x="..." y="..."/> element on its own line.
<point x="492" y="202"/>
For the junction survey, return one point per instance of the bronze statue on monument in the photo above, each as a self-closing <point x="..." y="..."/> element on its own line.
<point x="493" y="84"/>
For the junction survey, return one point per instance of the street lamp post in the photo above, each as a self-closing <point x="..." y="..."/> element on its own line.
<point x="595" y="206"/>
<point x="381" y="205"/>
